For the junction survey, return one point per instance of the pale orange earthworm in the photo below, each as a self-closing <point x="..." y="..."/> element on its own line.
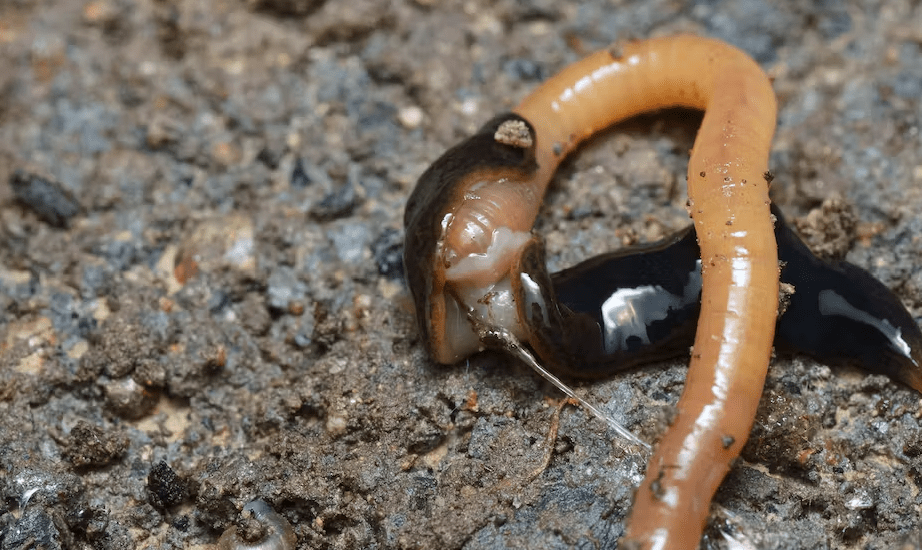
<point x="468" y="222"/>
<point x="728" y="201"/>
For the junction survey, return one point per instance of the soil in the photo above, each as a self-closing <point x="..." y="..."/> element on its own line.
<point x="201" y="285"/>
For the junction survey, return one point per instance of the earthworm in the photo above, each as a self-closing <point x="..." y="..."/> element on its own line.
<point x="468" y="222"/>
<point x="729" y="204"/>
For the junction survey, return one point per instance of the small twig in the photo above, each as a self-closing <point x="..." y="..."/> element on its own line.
<point x="550" y="440"/>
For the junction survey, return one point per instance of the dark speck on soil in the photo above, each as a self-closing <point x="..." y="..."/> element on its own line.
<point x="388" y="253"/>
<point x="164" y="487"/>
<point x="48" y="199"/>
<point x="201" y="296"/>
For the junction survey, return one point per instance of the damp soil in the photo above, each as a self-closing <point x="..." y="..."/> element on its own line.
<point x="201" y="285"/>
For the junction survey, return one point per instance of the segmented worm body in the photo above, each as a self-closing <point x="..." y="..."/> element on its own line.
<point x="729" y="204"/>
<point x="474" y="267"/>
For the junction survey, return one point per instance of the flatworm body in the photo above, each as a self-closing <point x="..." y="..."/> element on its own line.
<point x="641" y="304"/>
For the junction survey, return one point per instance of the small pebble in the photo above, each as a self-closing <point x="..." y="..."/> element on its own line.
<point x="129" y="399"/>
<point x="339" y="203"/>
<point x="51" y="202"/>
<point x="91" y="445"/>
<point x="219" y="242"/>
<point x="410" y="117"/>
<point x="164" y="487"/>
<point x="387" y="250"/>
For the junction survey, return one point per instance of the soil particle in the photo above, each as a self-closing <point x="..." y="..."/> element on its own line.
<point x="164" y="487"/>
<point x="36" y="528"/>
<point x="48" y="199"/>
<point x="89" y="445"/>
<point x="829" y="230"/>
